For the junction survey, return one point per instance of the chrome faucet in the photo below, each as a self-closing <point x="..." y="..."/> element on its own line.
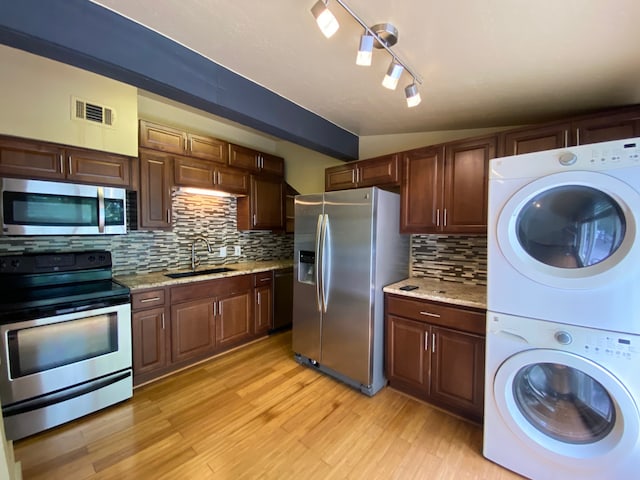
<point x="194" y="259"/>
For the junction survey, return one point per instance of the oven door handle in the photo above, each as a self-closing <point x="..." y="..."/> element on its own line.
<point x="101" y="213"/>
<point x="61" y="396"/>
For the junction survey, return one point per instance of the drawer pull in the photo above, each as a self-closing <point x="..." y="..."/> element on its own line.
<point x="267" y="279"/>
<point x="429" y="314"/>
<point x="150" y="299"/>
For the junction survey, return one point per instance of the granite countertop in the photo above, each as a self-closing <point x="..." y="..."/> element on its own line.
<point x="440" y="291"/>
<point x="158" y="279"/>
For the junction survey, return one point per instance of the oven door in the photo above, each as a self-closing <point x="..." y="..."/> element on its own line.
<point x="48" y="355"/>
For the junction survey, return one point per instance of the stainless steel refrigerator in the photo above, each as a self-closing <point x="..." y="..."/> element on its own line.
<point x="347" y="247"/>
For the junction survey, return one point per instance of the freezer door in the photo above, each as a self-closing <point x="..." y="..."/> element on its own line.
<point x="307" y="316"/>
<point x="348" y="297"/>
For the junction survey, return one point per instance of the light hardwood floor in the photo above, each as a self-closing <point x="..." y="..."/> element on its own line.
<point x="256" y="414"/>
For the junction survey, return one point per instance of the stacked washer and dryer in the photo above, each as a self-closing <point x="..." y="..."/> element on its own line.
<point x="562" y="390"/>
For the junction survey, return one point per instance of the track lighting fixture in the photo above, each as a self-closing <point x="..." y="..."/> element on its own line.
<point x="381" y="36"/>
<point x="324" y="18"/>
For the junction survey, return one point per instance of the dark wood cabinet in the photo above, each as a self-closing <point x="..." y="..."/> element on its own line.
<point x="149" y="323"/>
<point x="154" y="197"/>
<point x="435" y="352"/>
<point x="263" y="208"/>
<point x="263" y="303"/>
<point x="233" y="318"/>
<point x="193" y="330"/>
<point x="601" y="127"/>
<point x="43" y="161"/>
<point x="191" y="172"/>
<point x="444" y="188"/>
<point x="174" y="140"/>
<point x="252" y="160"/>
<point x="381" y="171"/>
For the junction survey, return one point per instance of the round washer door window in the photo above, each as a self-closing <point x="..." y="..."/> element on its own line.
<point x="571" y="229"/>
<point x="566" y="405"/>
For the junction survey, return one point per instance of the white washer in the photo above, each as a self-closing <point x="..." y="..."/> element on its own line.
<point x="563" y="235"/>
<point x="561" y="401"/>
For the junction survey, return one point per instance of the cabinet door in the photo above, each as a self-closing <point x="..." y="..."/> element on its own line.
<point x="163" y="138"/>
<point x="233" y="315"/>
<point x="457" y="372"/>
<point x="193" y="330"/>
<point x="243" y="157"/>
<point x="606" y="127"/>
<point x="466" y="184"/>
<point x="232" y="180"/>
<point x="407" y="355"/>
<point x="534" y="139"/>
<point x="155" y="190"/>
<point x="208" y="148"/>
<point x="30" y="160"/>
<point x="148" y="339"/>
<point x="341" y="177"/>
<point x="420" y="191"/>
<point x="380" y="171"/>
<point x="190" y="172"/>
<point x="271" y="164"/>
<point x="263" y="319"/>
<point x="263" y="209"/>
<point x="98" y="168"/>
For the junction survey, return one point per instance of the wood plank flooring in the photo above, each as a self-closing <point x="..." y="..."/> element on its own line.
<point x="256" y="414"/>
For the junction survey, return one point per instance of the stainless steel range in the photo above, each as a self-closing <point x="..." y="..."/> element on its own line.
<point x="65" y="339"/>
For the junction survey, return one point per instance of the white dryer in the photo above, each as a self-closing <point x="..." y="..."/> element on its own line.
<point x="561" y="401"/>
<point x="563" y="235"/>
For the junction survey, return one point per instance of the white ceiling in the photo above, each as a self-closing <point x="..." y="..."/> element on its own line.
<point x="484" y="63"/>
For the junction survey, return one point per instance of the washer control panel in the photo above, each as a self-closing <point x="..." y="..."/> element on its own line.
<point x="611" y="345"/>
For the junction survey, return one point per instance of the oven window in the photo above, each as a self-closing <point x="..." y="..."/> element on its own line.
<point x="49" y="210"/>
<point x="572" y="226"/>
<point x="36" y="349"/>
<point x="564" y="403"/>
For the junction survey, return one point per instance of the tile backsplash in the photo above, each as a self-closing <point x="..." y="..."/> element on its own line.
<point x="450" y="257"/>
<point x="148" y="251"/>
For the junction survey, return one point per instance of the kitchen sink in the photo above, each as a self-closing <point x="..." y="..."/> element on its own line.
<point x="199" y="272"/>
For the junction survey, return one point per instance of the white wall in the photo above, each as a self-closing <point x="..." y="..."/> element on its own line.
<point x="36" y="93"/>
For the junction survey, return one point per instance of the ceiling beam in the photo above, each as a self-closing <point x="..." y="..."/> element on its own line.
<point x="91" y="37"/>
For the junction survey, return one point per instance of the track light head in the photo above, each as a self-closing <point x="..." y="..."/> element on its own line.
<point x="413" y="95"/>
<point x="392" y="77"/>
<point x="365" y="52"/>
<point x="324" y="18"/>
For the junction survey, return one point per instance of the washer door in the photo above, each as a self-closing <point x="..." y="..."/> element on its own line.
<point x="573" y="230"/>
<point x="566" y="407"/>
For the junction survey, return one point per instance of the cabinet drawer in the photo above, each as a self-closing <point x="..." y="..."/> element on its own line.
<point x="147" y="299"/>
<point x="210" y="288"/>
<point x="437" y="314"/>
<point x="262" y="278"/>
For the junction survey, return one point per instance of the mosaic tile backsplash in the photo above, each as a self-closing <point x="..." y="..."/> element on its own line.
<point x="448" y="257"/>
<point x="150" y="251"/>
<point x="452" y="258"/>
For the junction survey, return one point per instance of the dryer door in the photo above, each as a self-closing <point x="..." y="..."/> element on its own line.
<point x="574" y="230"/>
<point x="566" y="406"/>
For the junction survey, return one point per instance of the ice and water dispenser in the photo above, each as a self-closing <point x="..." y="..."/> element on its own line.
<point x="307" y="267"/>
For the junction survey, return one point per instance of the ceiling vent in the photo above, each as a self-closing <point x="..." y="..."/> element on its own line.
<point x="92" y="112"/>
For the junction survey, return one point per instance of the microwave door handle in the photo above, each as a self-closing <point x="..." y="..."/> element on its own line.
<point x="101" y="215"/>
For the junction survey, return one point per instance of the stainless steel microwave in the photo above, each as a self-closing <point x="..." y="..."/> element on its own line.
<point x="35" y="207"/>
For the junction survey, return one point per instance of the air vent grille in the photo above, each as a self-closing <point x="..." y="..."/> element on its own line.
<point x="92" y="112"/>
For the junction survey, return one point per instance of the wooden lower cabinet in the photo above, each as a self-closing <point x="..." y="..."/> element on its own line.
<point x="435" y="352"/>
<point x="176" y="326"/>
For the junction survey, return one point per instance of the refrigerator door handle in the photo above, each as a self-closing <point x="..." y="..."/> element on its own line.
<point x="318" y="265"/>
<point x="325" y="244"/>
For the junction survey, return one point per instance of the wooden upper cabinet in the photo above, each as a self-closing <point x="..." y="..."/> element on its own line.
<point x="381" y="171"/>
<point x="604" y="128"/>
<point x="173" y="140"/>
<point x="193" y="173"/>
<point x="420" y="190"/>
<point x="444" y="188"/>
<point x="98" y="168"/>
<point x="232" y="180"/>
<point x="466" y="180"/>
<point x="249" y="159"/>
<point x="263" y="208"/>
<point x="163" y="138"/>
<point x="534" y="139"/>
<point x="27" y="159"/>
<point x="156" y="180"/>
